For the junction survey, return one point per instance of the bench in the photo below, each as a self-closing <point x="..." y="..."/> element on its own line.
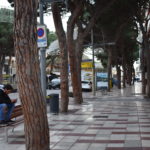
<point x="17" y="116"/>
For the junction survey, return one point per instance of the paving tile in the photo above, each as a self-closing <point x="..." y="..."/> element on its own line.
<point x="80" y="146"/>
<point x="115" y="145"/>
<point x="117" y="137"/>
<point x="97" y="146"/>
<point x="124" y="148"/>
<point x="146" y="143"/>
<point x="101" y="141"/>
<point x="132" y="137"/>
<point x="133" y="143"/>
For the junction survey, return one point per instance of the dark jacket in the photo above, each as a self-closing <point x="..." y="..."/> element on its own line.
<point x="4" y="98"/>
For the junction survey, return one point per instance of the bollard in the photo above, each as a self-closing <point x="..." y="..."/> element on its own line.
<point x="54" y="103"/>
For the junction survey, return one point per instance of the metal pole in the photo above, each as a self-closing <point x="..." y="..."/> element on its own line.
<point x="42" y="55"/>
<point x="93" y="69"/>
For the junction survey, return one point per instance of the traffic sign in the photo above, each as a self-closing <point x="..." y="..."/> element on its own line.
<point x="42" y="37"/>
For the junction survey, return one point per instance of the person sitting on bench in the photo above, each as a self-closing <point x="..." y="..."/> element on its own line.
<point x="6" y="105"/>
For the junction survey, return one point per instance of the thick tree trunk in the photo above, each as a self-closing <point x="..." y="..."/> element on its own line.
<point x="72" y="54"/>
<point x="79" y="52"/>
<point x="73" y="66"/>
<point x="64" y="57"/>
<point x="148" y="66"/>
<point x="28" y="75"/>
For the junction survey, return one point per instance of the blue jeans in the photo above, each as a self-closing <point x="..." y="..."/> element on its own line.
<point x="5" y="115"/>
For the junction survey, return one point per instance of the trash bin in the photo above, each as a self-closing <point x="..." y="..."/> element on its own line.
<point x="54" y="103"/>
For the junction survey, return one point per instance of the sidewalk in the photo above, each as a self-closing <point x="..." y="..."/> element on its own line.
<point x="119" y="120"/>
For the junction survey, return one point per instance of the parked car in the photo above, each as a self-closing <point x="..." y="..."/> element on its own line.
<point x="54" y="84"/>
<point x="52" y="76"/>
<point x="86" y="85"/>
<point x="1" y="86"/>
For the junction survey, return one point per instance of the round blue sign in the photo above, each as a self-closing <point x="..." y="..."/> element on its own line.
<point x="40" y="32"/>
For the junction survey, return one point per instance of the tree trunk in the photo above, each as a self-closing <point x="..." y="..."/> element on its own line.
<point x="148" y="66"/>
<point x="73" y="65"/>
<point x="28" y="75"/>
<point x="109" y="67"/>
<point x="129" y="75"/>
<point x="79" y="53"/>
<point x="143" y="71"/>
<point x="118" y="76"/>
<point x="73" y="55"/>
<point x="133" y="75"/>
<point x="124" y="75"/>
<point x="64" y="57"/>
<point x="124" y="70"/>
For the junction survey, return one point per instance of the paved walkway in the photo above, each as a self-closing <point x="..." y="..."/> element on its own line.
<point x="119" y="120"/>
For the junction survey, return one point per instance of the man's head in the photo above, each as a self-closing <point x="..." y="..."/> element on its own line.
<point x="8" y="88"/>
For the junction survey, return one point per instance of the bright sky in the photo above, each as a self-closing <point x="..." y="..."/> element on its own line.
<point x="48" y="19"/>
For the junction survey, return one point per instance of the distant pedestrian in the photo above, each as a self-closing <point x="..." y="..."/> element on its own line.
<point x="6" y="105"/>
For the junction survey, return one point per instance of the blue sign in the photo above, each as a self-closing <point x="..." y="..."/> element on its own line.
<point x="42" y="37"/>
<point x="102" y="74"/>
<point x="40" y="32"/>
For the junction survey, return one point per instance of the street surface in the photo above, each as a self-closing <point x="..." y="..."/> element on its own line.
<point x="118" y="120"/>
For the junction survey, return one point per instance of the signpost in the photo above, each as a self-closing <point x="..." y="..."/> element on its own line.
<point x="42" y="36"/>
<point x="42" y="44"/>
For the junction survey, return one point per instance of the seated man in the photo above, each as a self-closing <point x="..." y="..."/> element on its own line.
<point x="6" y="105"/>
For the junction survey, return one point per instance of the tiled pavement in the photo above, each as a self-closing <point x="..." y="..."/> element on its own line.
<point x="119" y="120"/>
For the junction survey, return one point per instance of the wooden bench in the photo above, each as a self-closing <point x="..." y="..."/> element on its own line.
<point x="17" y="116"/>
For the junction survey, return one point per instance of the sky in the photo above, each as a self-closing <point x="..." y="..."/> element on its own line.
<point x="48" y="19"/>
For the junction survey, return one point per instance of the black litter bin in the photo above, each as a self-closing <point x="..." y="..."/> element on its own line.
<point x="54" y="103"/>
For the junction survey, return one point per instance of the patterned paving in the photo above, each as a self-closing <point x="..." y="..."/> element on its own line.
<point x="98" y="124"/>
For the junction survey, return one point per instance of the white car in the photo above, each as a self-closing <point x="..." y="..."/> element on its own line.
<point x="86" y="85"/>
<point x="1" y="86"/>
<point x="54" y="84"/>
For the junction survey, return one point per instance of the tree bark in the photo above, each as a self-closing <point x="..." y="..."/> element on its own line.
<point x="143" y="71"/>
<point x="148" y="66"/>
<point x="73" y="66"/>
<point x="109" y="67"/>
<point x="124" y="74"/>
<point x="64" y="57"/>
<point x="118" y="76"/>
<point x="79" y="53"/>
<point x="75" y="76"/>
<point x="28" y="75"/>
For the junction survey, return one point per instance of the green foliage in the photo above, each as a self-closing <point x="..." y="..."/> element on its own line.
<point x="103" y="57"/>
<point x="51" y="36"/>
<point x="6" y="38"/>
